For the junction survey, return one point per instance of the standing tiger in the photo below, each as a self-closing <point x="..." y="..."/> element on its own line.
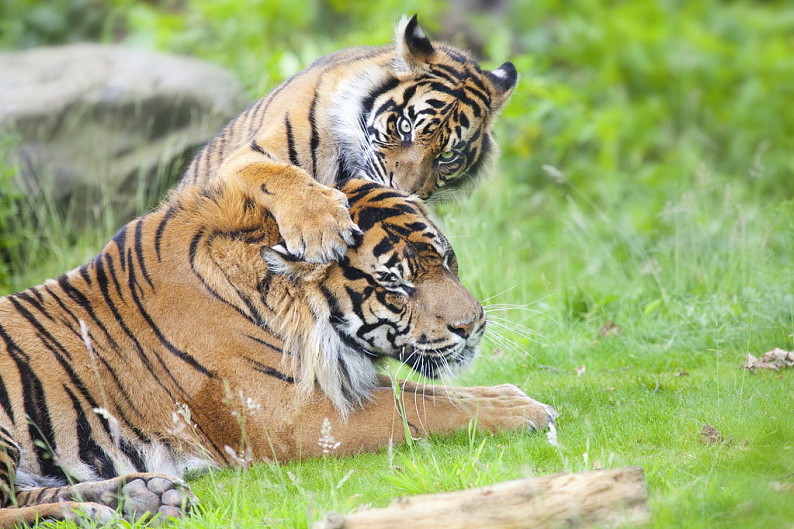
<point x="416" y="116"/>
<point x="194" y="321"/>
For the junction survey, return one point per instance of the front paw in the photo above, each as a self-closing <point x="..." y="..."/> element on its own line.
<point x="318" y="229"/>
<point x="506" y="407"/>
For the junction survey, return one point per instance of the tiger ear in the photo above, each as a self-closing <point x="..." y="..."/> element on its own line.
<point x="281" y="262"/>
<point x="503" y="81"/>
<point x="412" y="44"/>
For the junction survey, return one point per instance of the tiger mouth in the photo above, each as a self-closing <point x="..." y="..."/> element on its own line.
<point x="436" y="361"/>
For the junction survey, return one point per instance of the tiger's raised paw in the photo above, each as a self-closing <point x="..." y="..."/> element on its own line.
<point x="319" y="228"/>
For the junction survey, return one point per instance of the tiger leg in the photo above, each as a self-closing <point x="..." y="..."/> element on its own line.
<point x="313" y="219"/>
<point x="9" y="461"/>
<point x="11" y="515"/>
<point x="425" y="410"/>
<point x="56" y="512"/>
<point x="132" y="495"/>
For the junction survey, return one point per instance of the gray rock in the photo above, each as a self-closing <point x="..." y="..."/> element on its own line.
<point x="108" y="127"/>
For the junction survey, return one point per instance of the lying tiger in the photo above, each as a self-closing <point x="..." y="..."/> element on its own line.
<point x="416" y="116"/>
<point x="130" y="370"/>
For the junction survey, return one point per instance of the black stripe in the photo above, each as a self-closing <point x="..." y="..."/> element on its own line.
<point x="266" y="344"/>
<point x="409" y="93"/>
<point x="369" y="100"/>
<point x="389" y="104"/>
<point x="48" y="339"/>
<point x="34" y="402"/>
<point x="119" y="319"/>
<point x="160" y="227"/>
<point x="220" y="141"/>
<point x="112" y="270"/>
<point x="315" y="137"/>
<point x="90" y="452"/>
<point x="367" y="217"/>
<point x="267" y="370"/>
<point x="5" y="402"/>
<point x="84" y="274"/>
<point x="359" y="189"/>
<point x="59" y="352"/>
<point x="139" y="252"/>
<point x="79" y="298"/>
<point x="121" y="242"/>
<point x="476" y="167"/>
<point x="456" y="55"/>
<point x="293" y="154"/>
<point x="258" y="148"/>
<point x="253" y="317"/>
<point x="34" y="302"/>
<point x="134" y="455"/>
<point x="448" y="74"/>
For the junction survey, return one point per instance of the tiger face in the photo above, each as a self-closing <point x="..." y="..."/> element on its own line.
<point x="401" y="295"/>
<point x="426" y="127"/>
<point x="396" y="292"/>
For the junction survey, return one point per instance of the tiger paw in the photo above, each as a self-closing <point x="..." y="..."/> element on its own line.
<point x="156" y="494"/>
<point x="87" y="514"/>
<point x="318" y="227"/>
<point x="506" y="407"/>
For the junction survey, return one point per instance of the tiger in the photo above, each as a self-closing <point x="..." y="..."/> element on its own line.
<point x="194" y="340"/>
<point x="415" y="115"/>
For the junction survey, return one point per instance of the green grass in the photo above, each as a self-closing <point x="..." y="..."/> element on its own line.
<point x="646" y="180"/>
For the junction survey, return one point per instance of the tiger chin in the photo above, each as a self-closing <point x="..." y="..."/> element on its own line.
<point x="416" y="115"/>
<point x="194" y="339"/>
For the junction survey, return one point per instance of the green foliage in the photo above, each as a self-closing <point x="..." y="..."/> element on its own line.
<point x="10" y="198"/>
<point x="624" y="93"/>
<point x="25" y="23"/>
<point x="263" y="40"/>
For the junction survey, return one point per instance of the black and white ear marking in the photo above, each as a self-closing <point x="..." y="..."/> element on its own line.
<point x="504" y="80"/>
<point x="413" y="45"/>
<point x="415" y="38"/>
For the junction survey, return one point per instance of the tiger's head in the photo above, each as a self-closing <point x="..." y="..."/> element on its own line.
<point x="422" y="124"/>
<point x="395" y="294"/>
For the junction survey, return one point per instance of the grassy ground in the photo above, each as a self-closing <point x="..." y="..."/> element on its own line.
<point x="646" y="180"/>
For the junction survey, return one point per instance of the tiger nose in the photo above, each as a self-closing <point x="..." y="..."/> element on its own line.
<point x="463" y="329"/>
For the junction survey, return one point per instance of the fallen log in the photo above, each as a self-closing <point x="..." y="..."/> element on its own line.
<point x="602" y="498"/>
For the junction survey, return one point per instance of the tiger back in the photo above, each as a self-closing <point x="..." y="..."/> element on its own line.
<point x="416" y="115"/>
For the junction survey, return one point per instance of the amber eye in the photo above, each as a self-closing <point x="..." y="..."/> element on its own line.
<point x="447" y="156"/>
<point x="404" y="125"/>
